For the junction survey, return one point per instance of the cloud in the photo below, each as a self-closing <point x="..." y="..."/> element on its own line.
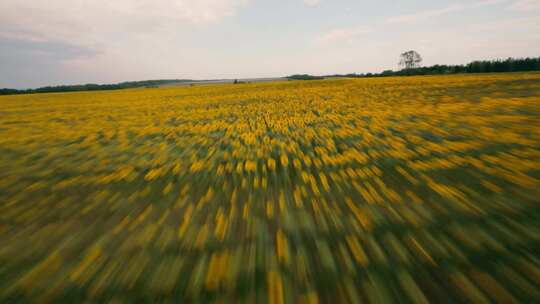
<point x="525" y="5"/>
<point x="88" y="21"/>
<point x="54" y="51"/>
<point x="80" y="40"/>
<point x="28" y="62"/>
<point x="425" y="14"/>
<point x="428" y="14"/>
<point x="342" y="35"/>
<point x="524" y="25"/>
<point x="312" y="2"/>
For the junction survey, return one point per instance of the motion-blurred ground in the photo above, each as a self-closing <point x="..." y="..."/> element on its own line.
<point x="407" y="189"/>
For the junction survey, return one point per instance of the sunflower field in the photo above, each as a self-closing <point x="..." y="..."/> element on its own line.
<point x="373" y="190"/>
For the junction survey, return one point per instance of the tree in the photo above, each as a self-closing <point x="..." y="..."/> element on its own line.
<point x="410" y="60"/>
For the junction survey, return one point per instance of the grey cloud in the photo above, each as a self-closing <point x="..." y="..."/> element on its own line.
<point x="36" y="63"/>
<point x="48" y="50"/>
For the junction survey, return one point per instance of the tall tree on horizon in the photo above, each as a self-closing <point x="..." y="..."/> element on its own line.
<point x="410" y="60"/>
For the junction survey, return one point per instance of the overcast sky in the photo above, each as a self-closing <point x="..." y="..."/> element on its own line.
<point x="101" y="41"/>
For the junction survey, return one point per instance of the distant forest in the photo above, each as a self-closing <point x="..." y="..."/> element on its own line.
<point x="94" y="87"/>
<point x="304" y="77"/>
<point x="486" y="66"/>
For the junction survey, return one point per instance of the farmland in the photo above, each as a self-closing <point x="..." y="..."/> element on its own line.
<point x="376" y="190"/>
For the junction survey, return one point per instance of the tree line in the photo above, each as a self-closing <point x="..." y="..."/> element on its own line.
<point x="410" y="61"/>
<point x="483" y="66"/>
<point x="95" y="87"/>
<point x="304" y="77"/>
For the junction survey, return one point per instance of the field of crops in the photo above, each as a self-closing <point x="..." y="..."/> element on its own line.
<point x="380" y="190"/>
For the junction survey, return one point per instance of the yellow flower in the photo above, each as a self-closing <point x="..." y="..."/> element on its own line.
<point x="271" y="164"/>
<point x="284" y="160"/>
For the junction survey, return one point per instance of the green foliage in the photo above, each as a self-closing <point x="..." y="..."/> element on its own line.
<point x="486" y="66"/>
<point x="410" y="60"/>
<point x="94" y="87"/>
<point x="304" y="77"/>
